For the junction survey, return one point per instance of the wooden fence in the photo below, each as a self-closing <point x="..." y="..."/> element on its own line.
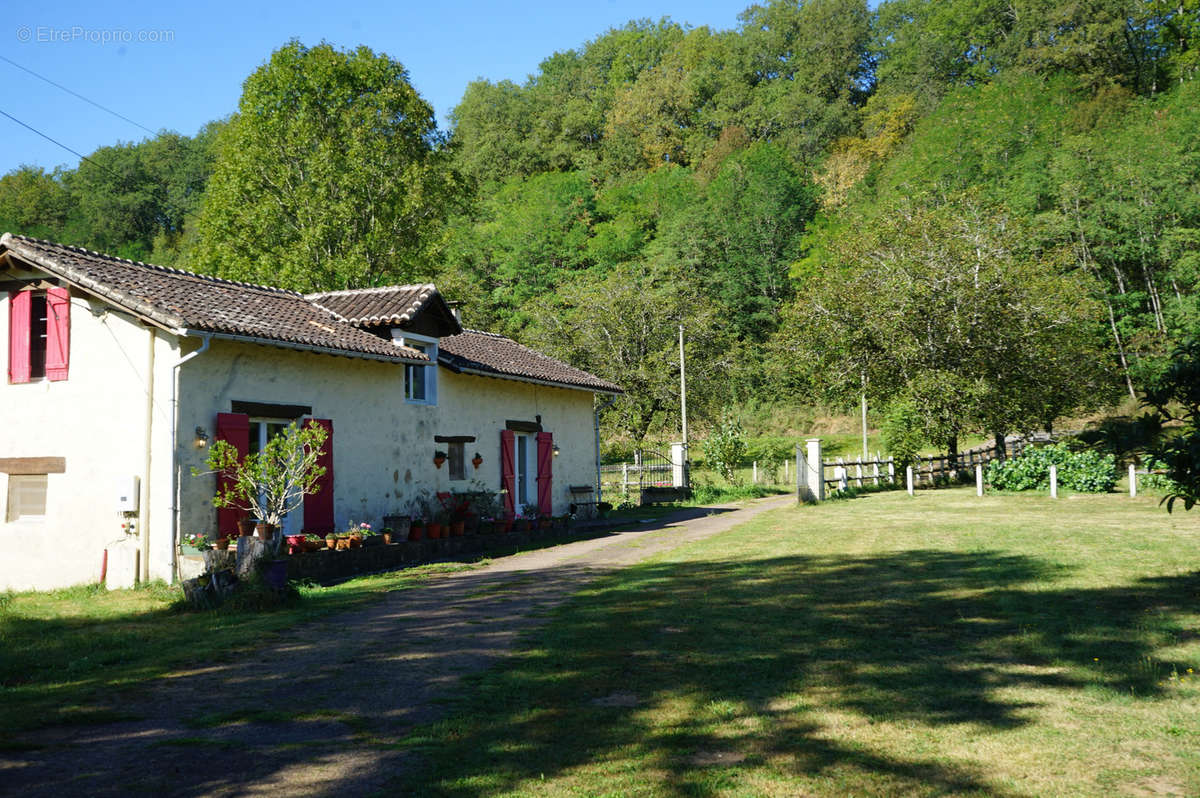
<point x="840" y="473"/>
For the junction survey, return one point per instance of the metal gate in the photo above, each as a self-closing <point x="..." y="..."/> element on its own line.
<point x="660" y="479"/>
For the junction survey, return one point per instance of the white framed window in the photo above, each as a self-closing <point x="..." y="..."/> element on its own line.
<point x="420" y="381"/>
<point x="27" y="497"/>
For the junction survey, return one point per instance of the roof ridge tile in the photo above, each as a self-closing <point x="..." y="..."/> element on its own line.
<point x="155" y="266"/>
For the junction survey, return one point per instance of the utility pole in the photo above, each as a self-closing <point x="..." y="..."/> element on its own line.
<point x="683" y="392"/>
<point x="864" y="416"/>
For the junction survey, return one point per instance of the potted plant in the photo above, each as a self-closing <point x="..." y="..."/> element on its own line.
<point x="434" y="529"/>
<point x="195" y="543"/>
<point x="456" y="508"/>
<point x="416" y="530"/>
<point x="418" y="512"/>
<point x="330" y="541"/>
<point x="313" y="542"/>
<point x="439" y="457"/>
<point x="386" y="534"/>
<point x="221" y="544"/>
<point x="477" y="460"/>
<point x="246" y="526"/>
<point x="270" y="483"/>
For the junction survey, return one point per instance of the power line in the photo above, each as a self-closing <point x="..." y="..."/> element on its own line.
<point x="76" y="94"/>
<point x="166" y="203"/>
<point x="78" y="155"/>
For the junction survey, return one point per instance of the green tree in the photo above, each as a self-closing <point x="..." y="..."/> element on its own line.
<point x="327" y="176"/>
<point x="943" y="306"/>
<point x="35" y="202"/>
<point x="623" y="326"/>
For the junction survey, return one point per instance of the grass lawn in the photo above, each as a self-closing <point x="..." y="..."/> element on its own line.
<point x="934" y="645"/>
<point x="66" y="655"/>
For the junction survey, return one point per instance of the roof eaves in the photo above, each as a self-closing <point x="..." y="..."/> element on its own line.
<point x="447" y="361"/>
<point x="73" y="276"/>
<point x="322" y="350"/>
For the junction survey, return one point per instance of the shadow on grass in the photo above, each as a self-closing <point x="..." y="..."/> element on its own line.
<point x="682" y="669"/>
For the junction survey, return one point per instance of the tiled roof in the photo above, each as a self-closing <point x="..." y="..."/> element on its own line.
<point x="183" y="300"/>
<point x="476" y="352"/>
<point x="393" y="304"/>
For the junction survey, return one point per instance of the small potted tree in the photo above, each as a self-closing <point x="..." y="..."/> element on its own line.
<point x="273" y="482"/>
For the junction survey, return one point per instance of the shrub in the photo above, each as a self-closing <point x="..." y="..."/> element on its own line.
<point x="725" y="448"/>
<point x="1157" y="482"/>
<point x="1086" y="472"/>
<point x="903" y="432"/>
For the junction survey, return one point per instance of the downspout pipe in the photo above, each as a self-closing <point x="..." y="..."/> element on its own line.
<point x="596" y="419"/>
<point x="176" y="487"/>
<point x="144" y="502"/>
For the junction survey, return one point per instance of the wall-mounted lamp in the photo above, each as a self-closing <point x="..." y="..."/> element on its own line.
<point x="556" y="450"/>
<point x="201" y="439"/>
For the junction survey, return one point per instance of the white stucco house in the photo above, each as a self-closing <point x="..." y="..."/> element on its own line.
<point x="120" y="372"/>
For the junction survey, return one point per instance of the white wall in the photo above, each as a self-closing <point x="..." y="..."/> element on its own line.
<point x="96" y="420"/>
<point x="383" y="447"/>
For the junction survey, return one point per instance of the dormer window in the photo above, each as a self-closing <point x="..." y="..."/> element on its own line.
<point x="420" y="381"/>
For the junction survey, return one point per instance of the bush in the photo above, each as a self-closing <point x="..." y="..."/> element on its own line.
<point x="903" y="432"/>
<point x="1157" y="482"/>
<point x="1086" y="472"/>
<point x="725" y="448"/>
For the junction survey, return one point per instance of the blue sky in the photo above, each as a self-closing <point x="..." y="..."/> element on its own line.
<point x="177" y="67"/>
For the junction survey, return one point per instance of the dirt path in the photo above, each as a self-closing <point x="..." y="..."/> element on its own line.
<point x="335" y="698"/>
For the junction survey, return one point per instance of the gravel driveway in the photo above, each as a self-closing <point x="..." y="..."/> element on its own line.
<point x="335" y="697"/>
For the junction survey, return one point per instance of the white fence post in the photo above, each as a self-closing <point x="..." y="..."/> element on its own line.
<point x="786" y="476"/>
<point x="858" y="470"/>
<point x="1053" y="481"/>
<point x="978" y="479"/>
<point x="678" y="465"/>
<point x="816" y="470"/>
<point x="891" y="469"/>
<point x="909" y="474"/>
<point x="875" y="468"/>
<point x="624" y="478"/>
<point x="1132" y="481"/>
<point x="754" y="472"/>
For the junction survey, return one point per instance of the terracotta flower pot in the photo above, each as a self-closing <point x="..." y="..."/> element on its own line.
<point x="477" y="462"/>
<point x="246" y="527"/>
<point x="416" y="532"/>
<point x="437" y="461"/>
<point x="330" y="542"/>
<point x="222" y="544"/>
<point x="434" y="531"/>
<point x="265" y="531"/>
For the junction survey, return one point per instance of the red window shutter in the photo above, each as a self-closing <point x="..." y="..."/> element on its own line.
<point x="545" y="476"/>
<point x="508" y="471"/>
<point x="233" y="428"/>
<point x="318" y="507"/>
<point x="58" y="333"/>
<point x="19" y="323"/>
